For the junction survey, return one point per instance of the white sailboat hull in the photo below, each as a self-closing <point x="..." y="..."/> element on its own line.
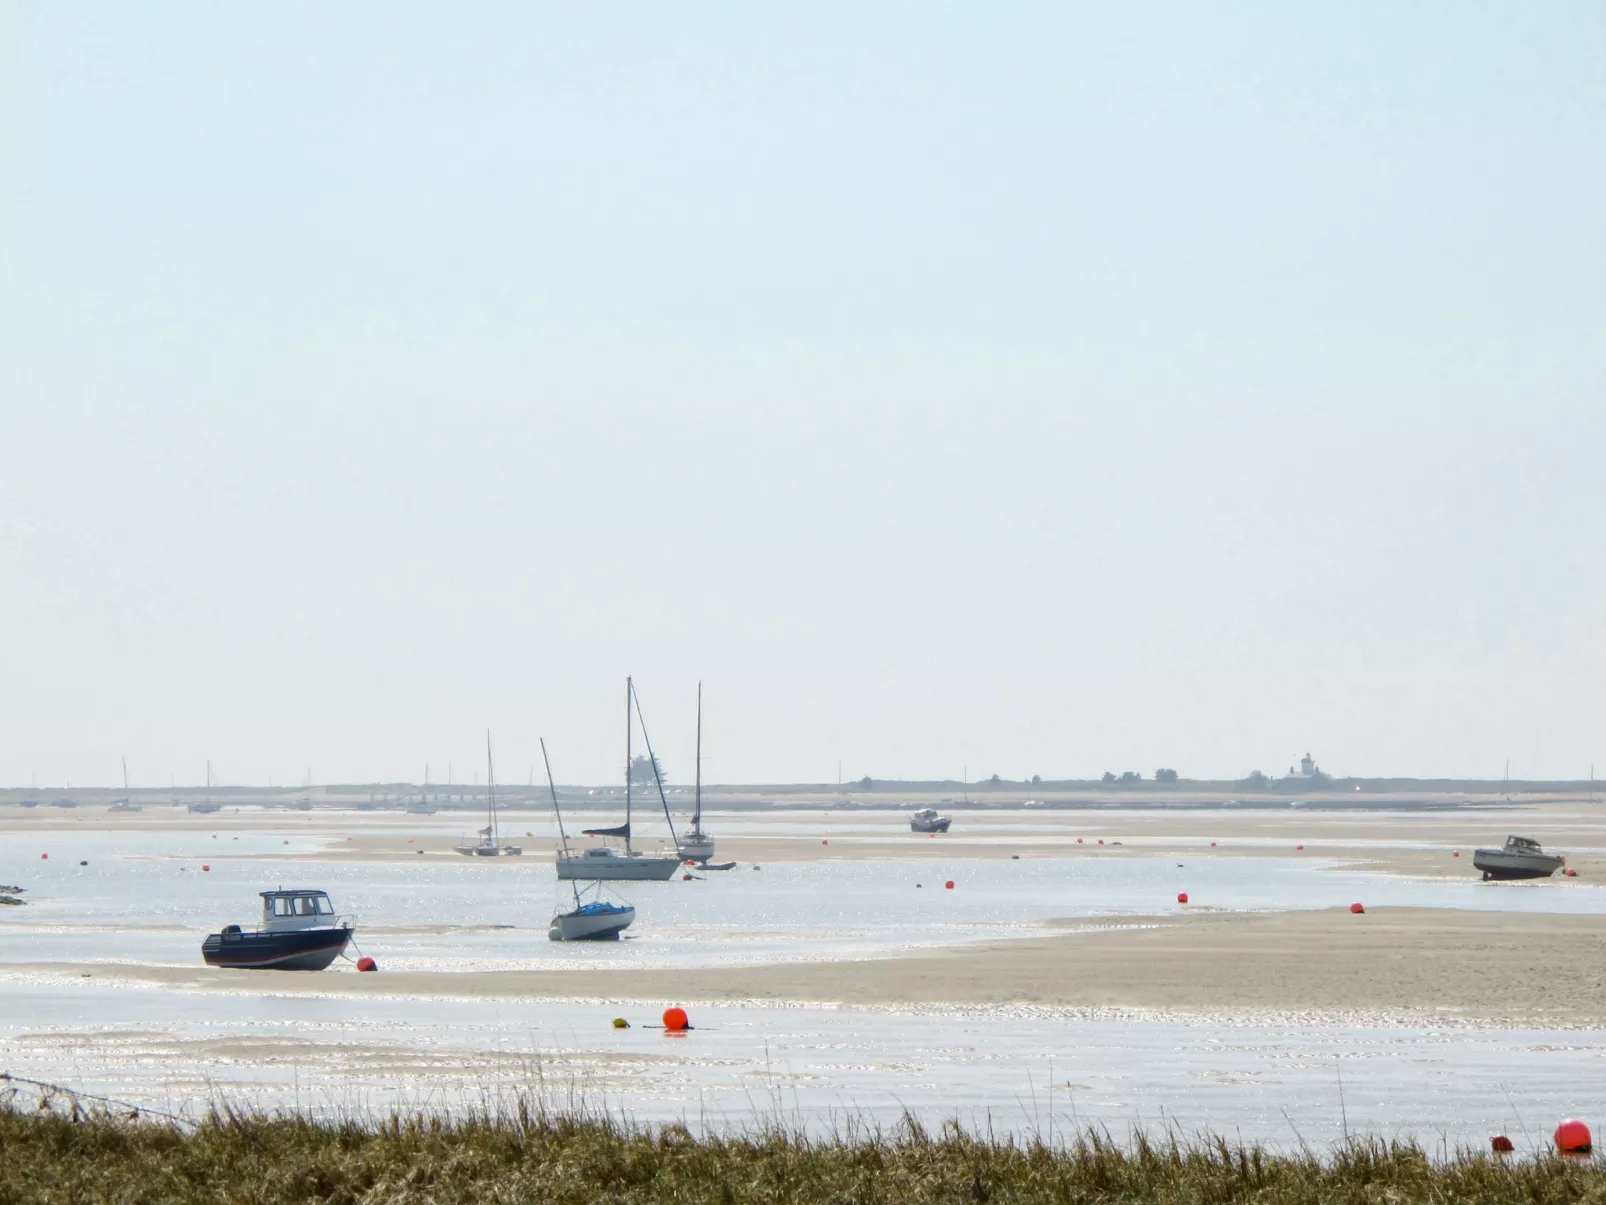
<point x="696" y="846"/>
<point x="593" y="926"/>
<point x="615" y="867"/>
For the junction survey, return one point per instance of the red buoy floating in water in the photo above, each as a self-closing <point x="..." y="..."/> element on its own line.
<point x="1501" y="1145"/>
<point x="1573" y="1138"/>
<point x="1212" y="845"/>
<point x="1357" y="908"/>
<point x="204" y="866"/>
<point x="1182" y="897"/>
<point x="366" y="963"/>
<point x="949" y="884"/>
<point x="675" y="1019"/>
<point x="44" y="857"/>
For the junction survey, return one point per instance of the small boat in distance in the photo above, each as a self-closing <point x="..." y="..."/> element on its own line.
<point x="598" y="920"/>
<point x="929" y="820"/>
<point x="206" y="806"/>
<point x="1519" y="858"/>
<point x="300" y="932"/>
<point x="697" y="846"/>
<point x="488" y="846"/>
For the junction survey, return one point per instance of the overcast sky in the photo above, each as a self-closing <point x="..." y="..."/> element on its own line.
<point x="1026" y="388"/>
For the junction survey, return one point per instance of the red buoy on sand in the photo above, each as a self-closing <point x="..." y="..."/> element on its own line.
<point x="1456" y="853"/>
<point x="1101" y="840"/>
<point x="1573" y="1138"/>
<point x="1501" y="1145"/>
<point x="825" y="843"/>
<point x="1212" y="845"/>
<point x="44" y="857"/>
<point x="685" y="878"/>
<point x="1356" y="908"/>
<point x="1571" y="873"/>
<point x="1299" y="847"/>
<point x="675" y="1019"/>
<point x="366" y="963"/>
<point x="204" y="866"/>
<point x="1182" y="897"/>
<point x="949" y="884"/>
<point x="1079" y="840"/>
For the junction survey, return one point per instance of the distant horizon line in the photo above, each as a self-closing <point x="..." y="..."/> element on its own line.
<point x="869" y="786"/>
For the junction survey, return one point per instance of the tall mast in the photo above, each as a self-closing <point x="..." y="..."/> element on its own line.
<point x="125" y="775"/>
<point x="563" y="837"/>
<point x="697" y="814"/>
<point x="490" y="790"/>
<point x="656" y="777"/>
<point x="629" y="691"/>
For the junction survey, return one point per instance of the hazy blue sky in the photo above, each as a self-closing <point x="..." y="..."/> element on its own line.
<point x="1042" y="388"/>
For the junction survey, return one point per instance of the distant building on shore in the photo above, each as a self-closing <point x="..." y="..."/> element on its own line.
<point x="1307" y="769"/>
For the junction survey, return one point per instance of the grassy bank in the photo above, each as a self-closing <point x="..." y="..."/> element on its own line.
<point x="50" y="1158"/>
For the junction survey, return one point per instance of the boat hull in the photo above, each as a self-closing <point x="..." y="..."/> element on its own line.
<point x="618" y="868"/>
<point x="298" y="950"/>
<point x="698" y="847"/>
<point x="930" y="826"/>
<point x="490" y="851"/>
<point x="1498" y="864"/>
<point x="593" y="926"/>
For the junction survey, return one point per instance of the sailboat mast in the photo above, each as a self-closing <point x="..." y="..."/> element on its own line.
<point x="125" y="775"/>
<point x="697" y="813"/>
<point x="563" y="837"/>
<point x="629" y="692"/>
<point x="490" y="790"/>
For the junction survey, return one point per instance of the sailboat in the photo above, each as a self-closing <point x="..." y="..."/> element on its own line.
<point x="598" y="920"/>
<point x="124" y="804"/>
<point x="697" y="846"/>
<point x="207" y="806"/>
<point x="422" y="806"/>
<point x="603" y="862"/>
<point x="488" y="846"/>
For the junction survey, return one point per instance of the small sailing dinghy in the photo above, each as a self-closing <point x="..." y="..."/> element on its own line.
<point x="697" y="846"/>
<point x="598" y="920"/>
<point x="300" y="932"/>
<point x="488" y="846"/>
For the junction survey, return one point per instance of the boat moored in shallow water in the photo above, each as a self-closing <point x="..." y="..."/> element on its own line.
<point x="1518" y="858"/>
<point x="300" y="932"/>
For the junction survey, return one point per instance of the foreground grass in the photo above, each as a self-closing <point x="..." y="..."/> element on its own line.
<point x="542" y="1158"/>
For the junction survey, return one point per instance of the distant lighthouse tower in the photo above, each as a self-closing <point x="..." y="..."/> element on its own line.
<point x="1307" y="767"/>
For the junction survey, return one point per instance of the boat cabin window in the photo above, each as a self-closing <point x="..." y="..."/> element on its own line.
<point x="302" y="905"/>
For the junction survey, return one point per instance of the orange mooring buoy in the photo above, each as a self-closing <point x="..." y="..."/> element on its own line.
<point x="1501" y="1145"/>
<point x="675" y="1019"/>
<point x="1573" y="1138"/>
<point x="949" y="884"/>
<point x="1357" y="908"/>
<point x="366" y="963"/>
<point x="1570" y="873"/>
<point x="1182" y="897"/>
<point x="1299" y="847"/>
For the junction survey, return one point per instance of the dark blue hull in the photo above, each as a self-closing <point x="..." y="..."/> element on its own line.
<point x="301" y="950"/>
